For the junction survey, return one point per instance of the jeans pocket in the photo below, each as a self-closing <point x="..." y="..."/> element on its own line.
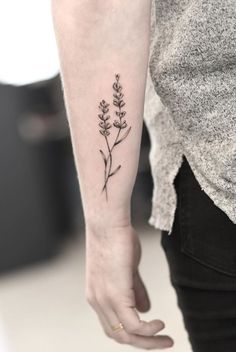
<point x="207" y="233"/>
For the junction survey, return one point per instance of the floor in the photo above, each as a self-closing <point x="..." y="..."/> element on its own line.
<point x="43" y="309"/>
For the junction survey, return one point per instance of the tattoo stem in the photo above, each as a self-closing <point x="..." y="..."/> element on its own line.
<point x="110" y="165"/>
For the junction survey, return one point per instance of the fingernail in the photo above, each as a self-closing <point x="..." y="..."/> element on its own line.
<point x="171" y="342"/>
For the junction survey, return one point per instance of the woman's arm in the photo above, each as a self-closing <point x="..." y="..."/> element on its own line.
<point x="104" y="49"/>
<point x="97" y="40"/>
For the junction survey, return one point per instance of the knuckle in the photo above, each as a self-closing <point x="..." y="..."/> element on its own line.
<point x="101" y="299"/>
<point x="90" y="298"/>
<point x="132" y="329"/>
<point x="108" y="334"/>
<point x="119" y="339"/>
<point x="122" y="339"/>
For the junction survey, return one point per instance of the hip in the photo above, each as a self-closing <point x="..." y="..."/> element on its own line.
<point x="201" y="249"/>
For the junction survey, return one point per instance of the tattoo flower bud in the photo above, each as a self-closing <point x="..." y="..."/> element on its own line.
<point x="121" y="104"/>
<point x="104" y="132"/>
<point x="117" y="76"/>
<point x="118" y="96"/>
<point x="121" y="113"/>
<point x="124" y="124"/>
<point x="103" y="106"/>
<point x="117" y="124"/>
<point x="115" y="86"/>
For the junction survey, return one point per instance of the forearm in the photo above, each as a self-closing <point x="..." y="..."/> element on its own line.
<point x="96" y="41"/>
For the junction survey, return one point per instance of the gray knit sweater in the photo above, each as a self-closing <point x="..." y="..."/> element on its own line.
<point x="190" y="106"/>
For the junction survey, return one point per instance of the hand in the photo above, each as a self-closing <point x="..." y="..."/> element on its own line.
<point x="115" y="289"/>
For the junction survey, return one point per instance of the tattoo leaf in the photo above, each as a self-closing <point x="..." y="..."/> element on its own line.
<point x="115" y="171"/>
<point x="124" y="136"/>
<point x="103" y="156"/>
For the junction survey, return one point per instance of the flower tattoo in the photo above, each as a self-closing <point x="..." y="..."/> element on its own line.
<point x="120" y="126"/>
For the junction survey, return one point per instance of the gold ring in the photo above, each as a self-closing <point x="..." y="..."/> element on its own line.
<point x="118" y="327"/>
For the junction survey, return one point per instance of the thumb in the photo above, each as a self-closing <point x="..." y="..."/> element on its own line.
<point x="142" y="300"/>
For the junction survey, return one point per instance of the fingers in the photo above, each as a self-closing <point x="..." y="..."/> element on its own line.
<point x="107" y="321"/>
<point x="135" y="332"/>
<point x="143" y="303"/>
<point x="153" y="342"/>
<point x="140" y="333"/>
<point x="123" y="337"/>
<point x="133" y="325"/>
<point x="144" y="342"/>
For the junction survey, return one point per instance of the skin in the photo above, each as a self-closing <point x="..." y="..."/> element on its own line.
<point x="96" y="40"/>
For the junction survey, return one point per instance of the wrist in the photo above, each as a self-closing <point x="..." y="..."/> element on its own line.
<point x="97" y="220"/>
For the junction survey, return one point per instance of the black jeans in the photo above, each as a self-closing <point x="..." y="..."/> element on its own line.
<point x="201" y="255"/>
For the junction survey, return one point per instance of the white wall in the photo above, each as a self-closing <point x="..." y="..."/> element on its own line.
<point x="27" y="45"/>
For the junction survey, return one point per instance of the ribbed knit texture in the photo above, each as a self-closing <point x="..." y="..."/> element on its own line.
<point x="190" y="106"/>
